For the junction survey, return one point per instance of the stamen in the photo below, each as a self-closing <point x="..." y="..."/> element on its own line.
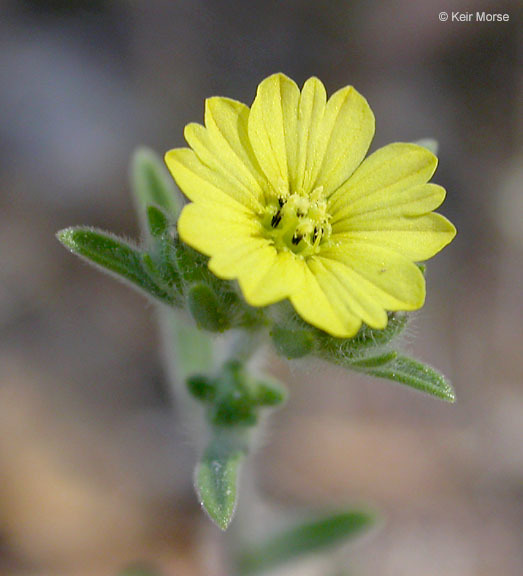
<point x="298" y="222"/>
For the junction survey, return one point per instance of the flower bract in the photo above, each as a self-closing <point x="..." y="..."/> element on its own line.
<point x="284" y="201"/>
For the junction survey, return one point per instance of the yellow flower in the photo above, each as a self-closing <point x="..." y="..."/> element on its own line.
<point x="283" y="201"/>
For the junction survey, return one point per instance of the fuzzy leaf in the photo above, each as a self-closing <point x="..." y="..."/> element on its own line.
<point x="374" y="361"/>
<point x="216" y="481"/>
<point x="160" y="261"/>
<point x="338" y="349"/>
<point x="417" y="375"/>
<point x="270" y="392"/>
<point x="313" y="536"/>
<point x="157" y="221"/>
<point x="206" y="309"/>
<point x="152" y="184"/>
<point x="112" y="255"/>
<point x="201" y="387"/>
<point x="235" y="404"/>
<point x="292" y="342"/>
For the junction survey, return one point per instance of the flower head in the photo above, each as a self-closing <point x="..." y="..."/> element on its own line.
<point x="283" y="200"/>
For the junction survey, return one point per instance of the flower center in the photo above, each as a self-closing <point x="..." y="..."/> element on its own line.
<point x="297" y="222"/>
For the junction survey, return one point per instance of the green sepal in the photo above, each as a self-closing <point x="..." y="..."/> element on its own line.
<point x="115" y="256"/>
<point x="202" y="388"/>
<point x="293" y="342"/>
<point x="367" y="341"/>
<point x="234" y="404"/>
<point x="417" y="375"/>
<point x="269" y="392"/>
<point x="158" y="223"/>
<point x="217" y="475"/>
<point x="234" y="397"/>
<point x="193" y="269"/>
<point x="316" y="536"/>
<point x="151" y="184"/>
<point x="294" y="338"/>
<point x="163" y="277"/>
<point x="206" y="308"/>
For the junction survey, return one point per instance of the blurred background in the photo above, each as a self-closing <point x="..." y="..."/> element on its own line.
<point x="95" y="470"/>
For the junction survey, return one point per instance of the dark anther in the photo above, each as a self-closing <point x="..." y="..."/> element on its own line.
<point x="281" y="202"/>
<point x="296" y="239"/>
<point x="276" y="219"/>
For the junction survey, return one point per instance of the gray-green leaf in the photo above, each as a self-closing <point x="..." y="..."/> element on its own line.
<point x="216" y="481"/>
<point x="313" y="536"/>
<point x="206" y="308"/>
<point x="417" y="375"/>
<point x="112" y="255"/>
<point x="152" y="184"/>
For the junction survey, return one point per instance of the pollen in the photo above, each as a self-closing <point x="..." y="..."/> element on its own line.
<point x="298" y="222"/>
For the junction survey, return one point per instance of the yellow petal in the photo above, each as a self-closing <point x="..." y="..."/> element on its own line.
<point x="388" y="171"/>
<point x="320" y="305"/>
<point x="346" y="133"/>
<point x="310" y="147"/>
<point x="279" y="281"/>
<point x="223" y="145"/>
<point x="398" y="283"/>
<point x="359" y="295"/>
<point x="415" y="237"/>
<point x="250" y="259"/>
<point x="273" y="129"/>
<point x="265" y="276"/>
<point x="383" y="205"/>
<point x="203" y="185"/>
<point x="212" y="229"/>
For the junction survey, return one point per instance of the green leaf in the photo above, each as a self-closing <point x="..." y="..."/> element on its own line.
<point x="112" y="255"/>
<point x="216" y="478"/>
<point x="151" y="183"/>
<point x="374" y="361"/>
<point x="269" y="392"/>
<point x="292" y="342"/>
<point x="417" y="375"/>
<point x="160" y="260"/>
<point x="235" y="404"/>
<point x="206" y="309"/>
<point x="313" y="536"/>
<point x="202" y="388"/>
<point x="368" y="342"/>
<point x="157" y="222"/>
